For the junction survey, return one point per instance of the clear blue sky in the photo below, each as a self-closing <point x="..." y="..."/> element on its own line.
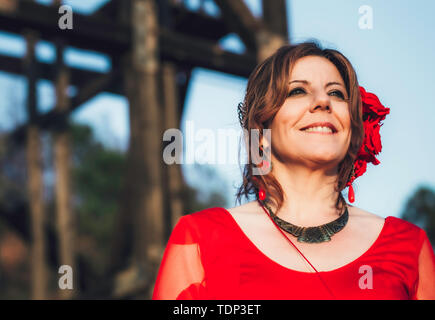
<point x="395" y="60"/>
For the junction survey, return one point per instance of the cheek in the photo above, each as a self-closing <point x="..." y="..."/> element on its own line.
<point x="288" y="115"/>
<point x="343" y="115"/>
<point x="284" y="130"/>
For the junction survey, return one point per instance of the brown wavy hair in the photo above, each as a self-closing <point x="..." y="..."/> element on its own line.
<point x="266" y="92"/>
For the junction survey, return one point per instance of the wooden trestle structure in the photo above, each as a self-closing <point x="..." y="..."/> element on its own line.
<point x="152" y="44"/>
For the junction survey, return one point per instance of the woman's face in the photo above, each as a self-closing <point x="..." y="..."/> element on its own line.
<point x="317" y="94"/>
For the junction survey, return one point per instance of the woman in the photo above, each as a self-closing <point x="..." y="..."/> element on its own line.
<point x="300" y="239"/>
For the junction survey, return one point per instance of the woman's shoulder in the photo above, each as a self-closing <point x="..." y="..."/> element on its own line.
<point x="396" y="221"/>
<point x="391" y="224"/>
<point x="220" y="219"/>
<point x="216" y="214"/>
<point x="397" y="235"/>
<point x="206" y="217"/>
<point x="250" y="208"/>
<point x="366" y="218"/>
<point x="193" y="227"/>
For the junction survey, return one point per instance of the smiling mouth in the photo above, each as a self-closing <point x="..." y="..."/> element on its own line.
<point x="319" y="130"/>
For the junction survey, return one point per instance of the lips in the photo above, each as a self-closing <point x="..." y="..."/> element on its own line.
<point x="321" y="124"/>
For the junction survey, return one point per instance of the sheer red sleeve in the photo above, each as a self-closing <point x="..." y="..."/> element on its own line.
<point x="181" y="273"/>
<point x="426" y="270"/>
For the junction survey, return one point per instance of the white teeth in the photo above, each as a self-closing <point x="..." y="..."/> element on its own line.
<point x="319" y="129"/>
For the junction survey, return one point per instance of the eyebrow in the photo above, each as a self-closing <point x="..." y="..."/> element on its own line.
<point x="307" y="82"/>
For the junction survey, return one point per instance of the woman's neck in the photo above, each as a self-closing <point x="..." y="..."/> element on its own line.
<point x="309" y="194"/>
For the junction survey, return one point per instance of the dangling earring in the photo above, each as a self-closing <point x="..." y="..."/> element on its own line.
<point x="265" y="163"/>
<point x="261" y="194"/>
<point x="351" y="193"/>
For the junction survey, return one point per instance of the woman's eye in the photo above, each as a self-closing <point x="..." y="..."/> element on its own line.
<point x="337" y="93"/>
<point x="296" y="91"/>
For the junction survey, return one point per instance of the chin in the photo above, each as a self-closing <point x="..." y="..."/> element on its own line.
<point x="325" y="157"/>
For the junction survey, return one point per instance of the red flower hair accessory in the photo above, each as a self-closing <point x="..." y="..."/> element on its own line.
<point x="373" y="113"/>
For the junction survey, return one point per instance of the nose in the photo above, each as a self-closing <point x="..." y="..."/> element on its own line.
<point x="322" y="102"/>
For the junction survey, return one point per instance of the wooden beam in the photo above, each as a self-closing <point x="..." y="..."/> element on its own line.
<point x="177" y="47"/>
<point x="88" y="32"/>
<point x="109" y="10"/>
<point x="254" y="32"/>
<point x="142" y="203"/>
<point x="274" y="34"/>
<point x="240" y="19"/>
<point x="275" y="16"/>
<point x="35" y="188"/>
<point x="99" y="84"/>
<point x="164" y="13"/>
<point x="56" y="119"/>
<point x="176" y="17"/>
<point x="114" y="39"/>
<point x="186" y="51"/>
<point x="99" y="32"/>
<point x="65" y="224"/>
<point x="197" y="24"/>
<point x="47" y="71"/>
<point x="173" y="181"/>
<point x="194" y="52"/>
<point x="8" y="5"/>
<point x="182" y="86"/>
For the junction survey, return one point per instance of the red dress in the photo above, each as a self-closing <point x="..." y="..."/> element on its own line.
<point x="208" y="256"/>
